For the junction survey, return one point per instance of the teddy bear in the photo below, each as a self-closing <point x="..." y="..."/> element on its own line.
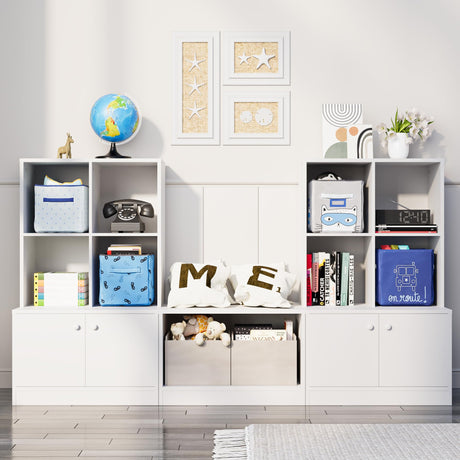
<point x="214" y="331"/>
<point x="196" y="324"/>
<point x="177" y="330"/>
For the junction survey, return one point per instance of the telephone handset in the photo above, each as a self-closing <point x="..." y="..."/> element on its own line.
<point x="128" y="213"/>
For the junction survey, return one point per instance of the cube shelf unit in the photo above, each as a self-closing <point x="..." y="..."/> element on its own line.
<point x="87" y="355"/>
<point x="368" y="354"/>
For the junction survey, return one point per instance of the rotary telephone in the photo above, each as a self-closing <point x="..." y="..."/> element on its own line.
<point x="128" y="213"/>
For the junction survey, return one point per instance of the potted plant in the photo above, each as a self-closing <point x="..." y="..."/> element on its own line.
<point x="403" y="131"/>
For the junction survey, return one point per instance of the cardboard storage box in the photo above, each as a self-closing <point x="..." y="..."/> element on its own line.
<point x="186" y="363"/>
<point x="264" y="362"/>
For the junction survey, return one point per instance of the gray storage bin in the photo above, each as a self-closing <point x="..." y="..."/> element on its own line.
<point x="264" y="362"/>
<point x="186" y="363"/>
<point x="335" y="206"/>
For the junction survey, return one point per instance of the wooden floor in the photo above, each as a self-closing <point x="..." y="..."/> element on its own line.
<point x="157" y="432"/>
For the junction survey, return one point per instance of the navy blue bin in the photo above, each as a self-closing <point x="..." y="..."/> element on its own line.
<point x="405" y="277"/>
<point x="126" y="280"/>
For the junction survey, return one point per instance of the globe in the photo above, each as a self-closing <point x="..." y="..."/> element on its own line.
<point x="115" y="119"/>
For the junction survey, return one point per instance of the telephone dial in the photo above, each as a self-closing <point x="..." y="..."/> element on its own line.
<point x="128" y="214"/>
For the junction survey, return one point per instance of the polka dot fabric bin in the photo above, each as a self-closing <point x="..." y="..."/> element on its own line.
<point x="61" y="208"/>
<point x="126" y="280"/>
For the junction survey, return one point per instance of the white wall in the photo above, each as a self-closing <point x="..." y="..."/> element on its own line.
<point x="58" y="57"/>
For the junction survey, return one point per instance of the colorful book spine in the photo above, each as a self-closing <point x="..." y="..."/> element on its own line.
<point x="38" y="288"/>
<point x="309" y="264"/>
<point x="332" y="278"/>
<point x="327" y="279"/>
<point x="351" y="280"/>
<point x="344" y="280"/>
<point x="338" y="277"/>
<point x="315" y="283"/>
<point x="321" y="278"/>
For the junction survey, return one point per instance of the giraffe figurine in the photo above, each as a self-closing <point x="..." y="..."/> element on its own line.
<point x="65" y="149"/>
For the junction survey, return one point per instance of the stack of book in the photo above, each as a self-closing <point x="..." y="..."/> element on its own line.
<point x="264" y="332"/>
<point x="52" y="289"/>
<point x="330" y="279"/>
<point x="124" y="249"/>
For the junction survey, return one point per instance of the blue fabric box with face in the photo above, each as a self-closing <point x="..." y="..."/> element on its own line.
<point x="126" y="280"/>
<point x="405" y="277"/>
<point x="335" y="206"/>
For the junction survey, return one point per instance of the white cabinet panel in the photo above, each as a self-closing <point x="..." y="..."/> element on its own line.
<point x="342" y="350"/>
<point x="121" y="350"/>
<point x="415" y="350"/>
<point x="48" y="350"/>
<point x="231" y="224"/>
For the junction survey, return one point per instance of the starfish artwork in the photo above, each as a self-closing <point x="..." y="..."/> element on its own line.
<point x="195" y="86"/>
<point x="263" y="58"/>
<point x="195" y="62"/>
<point x="195" y="110"/>
<point x="244" y="58"/>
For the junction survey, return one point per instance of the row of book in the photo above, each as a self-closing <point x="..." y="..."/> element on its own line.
<point x="52" y="289"/>
<point x="330" y="279"/>
<point x="264" y="332"/>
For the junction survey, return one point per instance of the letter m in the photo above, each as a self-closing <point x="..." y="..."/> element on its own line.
<point x="185" y="269"/>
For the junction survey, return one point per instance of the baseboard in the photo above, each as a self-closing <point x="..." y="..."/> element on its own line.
<point x="5" y="379"/>
<point x="455" y="378"/>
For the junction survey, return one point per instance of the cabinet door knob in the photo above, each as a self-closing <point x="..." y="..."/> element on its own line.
<point x="95" y="327"/>
<point x="370" y="327"/>
<point x="388" y="327"/>
<point x="77" y="327"/>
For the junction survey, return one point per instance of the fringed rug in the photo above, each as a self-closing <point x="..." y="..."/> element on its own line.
<point x="436" y="441"/>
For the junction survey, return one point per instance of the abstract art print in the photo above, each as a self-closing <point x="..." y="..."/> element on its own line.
<point x="196" y="88"/>
<point x="252" y="118"/>
<point x="337" y="119"/>
<point x="253" y="58"/>
<point x="360" y="142"/>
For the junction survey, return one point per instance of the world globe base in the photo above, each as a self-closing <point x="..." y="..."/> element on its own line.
<point x="113" y="153"/>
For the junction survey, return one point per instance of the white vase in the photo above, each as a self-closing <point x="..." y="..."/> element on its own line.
<point x="398" y="146"/>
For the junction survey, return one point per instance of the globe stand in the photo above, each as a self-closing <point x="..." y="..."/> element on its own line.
<point x="113" y="153"/>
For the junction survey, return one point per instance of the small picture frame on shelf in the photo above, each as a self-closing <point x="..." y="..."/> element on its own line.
<point x="256" y="118"/>
<point x="256" y="58"/>
<point x="196" y="88"/>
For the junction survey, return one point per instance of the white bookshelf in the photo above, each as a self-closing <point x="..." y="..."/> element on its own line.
<point x="366" y="353"/>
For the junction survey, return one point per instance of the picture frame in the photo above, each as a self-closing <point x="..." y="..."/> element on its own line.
<point x="256" y="58"/>
<point x="256" y="118"/>
<point x="196" y="95"/>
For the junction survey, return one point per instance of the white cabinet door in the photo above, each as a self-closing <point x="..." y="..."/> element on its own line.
<point x="121" y="349"/>
<point x="415" y="350"/>
<point x="342" y="350"/>
<point x="48" y="349"/>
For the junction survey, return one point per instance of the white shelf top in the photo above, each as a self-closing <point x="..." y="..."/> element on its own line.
<point x="87" y="309"/>
<point x="67" y="161"/>
<point x="337" y="234"/>
<point x="125" y="235"/>
<point x="234" y="309"/>
<point x="376" y="309"/>
<point x="39" y="235"/>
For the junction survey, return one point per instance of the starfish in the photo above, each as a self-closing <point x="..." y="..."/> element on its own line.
<point x="263" y="58"/>
<point x="244" y="58"/>
<point x="195" y="110"/>
<point x="195" y="63"/>
<point x="195" y="86"/>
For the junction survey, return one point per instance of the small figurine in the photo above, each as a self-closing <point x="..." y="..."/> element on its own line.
<point x="65" y="149"/>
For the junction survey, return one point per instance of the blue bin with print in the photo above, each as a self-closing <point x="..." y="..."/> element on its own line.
<point x="126" y="280"/>
<point x="405" y="277"/>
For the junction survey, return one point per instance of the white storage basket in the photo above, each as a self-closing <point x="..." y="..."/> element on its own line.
<point x="61" y="208"/>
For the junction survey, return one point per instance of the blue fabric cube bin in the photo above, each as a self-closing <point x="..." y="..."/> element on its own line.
<point x="126" y="280"/>
<point x="405" y="277"/>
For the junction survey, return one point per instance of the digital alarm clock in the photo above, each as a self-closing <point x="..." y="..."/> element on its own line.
<point x="403" y="216"/>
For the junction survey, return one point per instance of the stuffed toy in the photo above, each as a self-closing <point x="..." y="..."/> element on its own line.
<point x="196" y="324"/>
<point x="214" y="331"/>
<point x="177" y="330"/>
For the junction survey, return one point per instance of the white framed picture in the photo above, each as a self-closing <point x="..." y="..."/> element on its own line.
<point x="256" y="118"/>
<point x="196" y="88"/>
<point x="256" y="58"/>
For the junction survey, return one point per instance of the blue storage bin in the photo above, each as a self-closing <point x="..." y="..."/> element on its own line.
<point x="405" y="277"/>
<point x="61" y="208"/>
<point x="126" y="280"/>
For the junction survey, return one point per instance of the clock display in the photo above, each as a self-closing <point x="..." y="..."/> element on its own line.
<point x="403" y="216"/>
